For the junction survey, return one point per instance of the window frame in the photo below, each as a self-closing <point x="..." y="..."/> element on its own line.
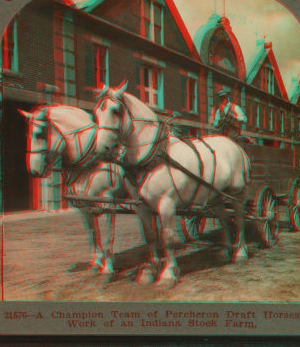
<point x="257" y="111"/>
<point x="152" y="92"/>
<point x="97" y="43"/>
<point x="152" y="36"/>
<point x="189" y="77"/>
<point x="145" y="61"/>
<point x="10" y="61"/>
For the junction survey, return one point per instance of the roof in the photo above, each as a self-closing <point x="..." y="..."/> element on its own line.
<point x="294" y="92"/>
<point x="205" y="34"/>
<point x="211" y="24"/>
<point x="89" y="5"/>
<point x="183" y="29"/>
<point x="263" y="51"/>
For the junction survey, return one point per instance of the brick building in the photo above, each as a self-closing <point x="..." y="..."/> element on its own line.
<point x="53" y="53"/>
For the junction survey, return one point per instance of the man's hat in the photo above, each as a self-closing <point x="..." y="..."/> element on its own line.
<point x="223" y="92"/>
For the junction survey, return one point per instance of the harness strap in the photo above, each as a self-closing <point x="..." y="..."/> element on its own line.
<point x="128" y="170"/>
<point x="175" y="164"/>
<point x="214" y="168"/>
<point x="88" y="150"/>
<point x="189" y="143"/>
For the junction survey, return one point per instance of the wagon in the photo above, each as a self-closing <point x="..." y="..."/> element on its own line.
<point x="275" y="183"/>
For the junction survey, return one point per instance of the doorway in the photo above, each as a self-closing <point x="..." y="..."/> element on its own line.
<point x="16" y="187"/>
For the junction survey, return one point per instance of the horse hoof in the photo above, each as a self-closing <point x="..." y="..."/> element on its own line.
<point x="240" y="256"/>
<point x="95" y="263"/>
<point x="146" y="275"/>
<point x="94" y="268"/>
<point x="225" y="256"/>
<point x="108" y="278"/>
<point x="167" y="283"/>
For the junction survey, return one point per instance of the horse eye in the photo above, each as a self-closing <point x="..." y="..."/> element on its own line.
<point x="41" y="135"/>
<point x="103" y="105"/>
<point x="118" y="109"/>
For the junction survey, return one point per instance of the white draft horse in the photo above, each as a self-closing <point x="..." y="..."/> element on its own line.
<point x="167" y="186"/>
<point x="64" y="132"/>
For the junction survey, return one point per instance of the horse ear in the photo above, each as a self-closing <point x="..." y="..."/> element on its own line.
<point x="101" y="91"/>
<point x="24" y="113"/>
<point x="120" y="89"/>
<point x="123" y="85"/>
<point x="97" y="93"/>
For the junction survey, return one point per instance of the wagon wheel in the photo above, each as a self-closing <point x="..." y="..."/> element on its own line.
<point x="267" y="216"/>
<point x="294" y="203"/>
<point x="191" y="227"/>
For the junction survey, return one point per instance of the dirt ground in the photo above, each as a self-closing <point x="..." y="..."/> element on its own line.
<point x="47" y="259"/>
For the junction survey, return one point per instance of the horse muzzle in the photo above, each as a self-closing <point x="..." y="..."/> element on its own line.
<point x="38" y="165"/>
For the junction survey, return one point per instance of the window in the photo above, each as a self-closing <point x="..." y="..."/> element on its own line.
<point x="278" y="121"/>
<point x="293" y="121"/>
<point x="69" y="55"/>
<point x="152" y="21"/>
<point x="249" y="111"/>
<point x="64" y="53"/>
<point x="10" y="48"/>
<point x="283" y="122"/>
<point x="189" y="93"/>
<point x="256" y="112"/>
<point x="267" y="79"/>
<point x="264" y="116"/>
<point x="271" y="118"/>
<point x="271" y="81"/>
<point x="151" y="86"/>
<point x="96" y="65"/>
<point x="275" y="119"/>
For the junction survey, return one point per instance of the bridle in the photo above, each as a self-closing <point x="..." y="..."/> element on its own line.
<point x="122" y="134"/>
<point x="39" y="124"/>
<point x="44" y="125"/>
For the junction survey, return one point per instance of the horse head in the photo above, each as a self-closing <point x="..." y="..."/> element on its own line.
<point x="123" y="118"/>
<point x="40" y="142"/>
<point x="113" y="120"/>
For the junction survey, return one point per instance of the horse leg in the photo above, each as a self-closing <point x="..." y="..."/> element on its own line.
<point x="240" y="253"/>
<point x="94" y="243"/>
<point x="107" y="237"/>
<point x="170" y="272"/>
<point x="227" y="237"/>
<point x="148" y="271"/>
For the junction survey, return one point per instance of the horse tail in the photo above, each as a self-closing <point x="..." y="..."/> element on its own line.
<point x="246" y="165"/>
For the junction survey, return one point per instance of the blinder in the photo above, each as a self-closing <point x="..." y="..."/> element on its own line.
<point x="43" y="125"/>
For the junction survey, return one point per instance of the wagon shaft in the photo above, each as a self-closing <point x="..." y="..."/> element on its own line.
<point x="104" y="200"/>
<point x="99" y="210"/>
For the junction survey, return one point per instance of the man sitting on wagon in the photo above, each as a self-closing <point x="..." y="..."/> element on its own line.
<point x="229" y="117"/>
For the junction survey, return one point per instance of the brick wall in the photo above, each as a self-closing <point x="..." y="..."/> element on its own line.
<point x="35" y="40"/>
